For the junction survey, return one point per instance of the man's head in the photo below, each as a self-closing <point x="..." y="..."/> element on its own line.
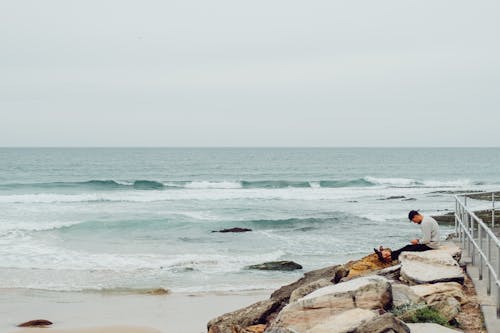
<point x="415" y="216"/>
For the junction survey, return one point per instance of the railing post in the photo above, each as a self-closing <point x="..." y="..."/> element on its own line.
<point x="488" y="243"/>
<point x="480" y="235"/>
<point x="473" y="248"/>
<point x="493" y="211"/>
<point x="498" y="287"/>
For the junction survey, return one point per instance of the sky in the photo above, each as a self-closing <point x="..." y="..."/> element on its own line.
<point x="249" y="73"/>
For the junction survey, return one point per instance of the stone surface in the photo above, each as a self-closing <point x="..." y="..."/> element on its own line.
<point x="402" y="295"/>
<point x="238" y="320"/>
<point x="430" y="328"/>
<point x="333" y="273"/>
<point x="255" y="329"/>
<point x="439" y="291"/>
<point x="429" y="267"/>
<point x="447" y="308"/>
<point x="386" y="323"/>
<point x="391" y="273"/>
<point x="346" y="321"/>
<point x="276" y="266"/>
<point x="452" y="249"/>
<point x="36" y="323"/>
<point x="370" y="292"/>
<point x="309" y="288"/>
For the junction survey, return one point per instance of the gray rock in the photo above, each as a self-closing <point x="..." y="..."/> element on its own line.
<point x="391" y="273"/>
<point x="369" y="292"/>
<point x="343" y="322"/>
<point x="386" y="323"/>
<point x="333" y="273"/>
<point x="236" y="321"/>
<point x="447" y="308"/>
<point x="276" y="266"/>
<point x="36" y="323"/>
<point x="430" y="328"/>
<point x="429" y="267"/>
<point x="309" y="288"/>
<point x="402" y="295"/>
<point x="437" y="292"/>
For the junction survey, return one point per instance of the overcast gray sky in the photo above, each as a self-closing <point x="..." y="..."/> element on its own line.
<point x="249" y="73"/>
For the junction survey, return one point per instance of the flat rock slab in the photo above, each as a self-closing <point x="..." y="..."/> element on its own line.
<point x="439" y="291"/>
<point x="428" y="328"/>
<point x="430" y="267"/>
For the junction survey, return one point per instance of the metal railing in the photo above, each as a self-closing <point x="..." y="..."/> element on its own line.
<point x="479" y="241"/>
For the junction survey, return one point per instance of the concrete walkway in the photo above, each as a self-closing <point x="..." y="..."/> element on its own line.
<point x="488" y="303"/>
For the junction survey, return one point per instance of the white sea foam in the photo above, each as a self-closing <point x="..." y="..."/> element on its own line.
<point x="213" y="185"/>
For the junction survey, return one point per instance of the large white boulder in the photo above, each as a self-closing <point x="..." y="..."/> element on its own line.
<point x="429" y="267"/>
<point x="369" y="292"/>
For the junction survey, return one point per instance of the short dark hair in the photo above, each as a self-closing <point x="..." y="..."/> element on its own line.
<point x="412" y="214"/>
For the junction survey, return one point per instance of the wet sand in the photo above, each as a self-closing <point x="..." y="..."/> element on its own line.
<point x="73" y="312"/>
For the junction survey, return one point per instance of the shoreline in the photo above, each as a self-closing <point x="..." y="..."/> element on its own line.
<point x="79" y="312"/>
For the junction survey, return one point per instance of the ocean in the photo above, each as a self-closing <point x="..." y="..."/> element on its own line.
<point x="118" y="219"/>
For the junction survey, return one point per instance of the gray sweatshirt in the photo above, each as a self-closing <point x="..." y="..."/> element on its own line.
<point x="430" y="231"/>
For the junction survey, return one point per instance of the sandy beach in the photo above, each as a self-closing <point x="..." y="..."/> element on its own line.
<point x="124" y="313"/>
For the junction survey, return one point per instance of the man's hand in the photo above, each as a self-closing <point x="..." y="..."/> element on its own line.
<point x="414" y="242"/>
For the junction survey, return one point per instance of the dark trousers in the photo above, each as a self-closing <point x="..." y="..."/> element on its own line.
<point x="409" y="248"/>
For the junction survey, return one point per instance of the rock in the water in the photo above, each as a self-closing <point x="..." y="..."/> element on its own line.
<point x="233" y="230"/>
<point x="430" y="328"/>
<point x="394" y="197"/>
<point x="370" y="292"/>
<point x="437" y="292"/>
<point x="429" y="267"/>
<point x="402" y="295"/>
<point x="36" y="323"/>
<point x="309" y="288"/>
<point x="238" y="320"/>
<point x="277" y="266"/>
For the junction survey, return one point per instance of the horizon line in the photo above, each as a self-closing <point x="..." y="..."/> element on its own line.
<point x="244" y="147"/>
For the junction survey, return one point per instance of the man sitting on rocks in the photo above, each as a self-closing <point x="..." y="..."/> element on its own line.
<point x="429" y="241"/>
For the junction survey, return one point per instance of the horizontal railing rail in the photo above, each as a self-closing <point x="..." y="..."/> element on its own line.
<point x="479" y="240"/>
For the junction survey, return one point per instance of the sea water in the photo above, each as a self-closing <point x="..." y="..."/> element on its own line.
<point x="139" y="218"/>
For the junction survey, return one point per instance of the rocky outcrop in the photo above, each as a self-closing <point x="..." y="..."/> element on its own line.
<point x="429" y="267"/>
<point x="363" y="296"/>
<point x="261" y="313"/>
<point x="36" y="323"/>
<point x="371" y="292"/>
<point x="276" y="266"/>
